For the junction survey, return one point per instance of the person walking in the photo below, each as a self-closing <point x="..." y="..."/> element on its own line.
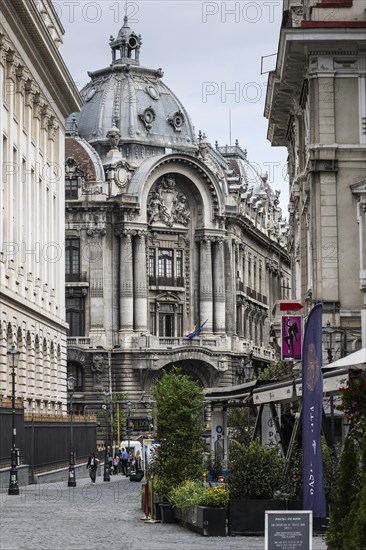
<point x="92" y="464"/>
<point x="124" y="460"/>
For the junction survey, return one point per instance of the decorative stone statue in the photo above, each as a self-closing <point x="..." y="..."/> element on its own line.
<point x="97" y="368"/>
<point x="167" y="205"/>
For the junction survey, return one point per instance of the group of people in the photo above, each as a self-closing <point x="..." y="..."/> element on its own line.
<point x="117" y="463"/>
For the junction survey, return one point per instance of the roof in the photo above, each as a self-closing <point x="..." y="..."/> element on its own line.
<point x="358" y="358"/>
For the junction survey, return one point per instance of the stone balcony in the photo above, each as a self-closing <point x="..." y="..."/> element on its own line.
<point x="147" y="343"/>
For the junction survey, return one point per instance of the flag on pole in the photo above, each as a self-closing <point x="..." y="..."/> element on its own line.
<point x="312" y="409"/>
<point x="196" y="330"/>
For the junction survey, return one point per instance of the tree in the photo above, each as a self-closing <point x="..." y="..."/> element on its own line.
<point x="344" y="494"/>
<point x="179" y="427"/>
<point x="356" y="536"/>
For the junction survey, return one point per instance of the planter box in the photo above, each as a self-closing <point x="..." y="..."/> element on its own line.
<point x="246" y="517"/>
<point x="205" y="520"/>
<point x="167" y="512"/>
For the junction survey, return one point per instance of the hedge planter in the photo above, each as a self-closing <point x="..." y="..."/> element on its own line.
<point x="246" y="517"/>
<point x="205" y="520"/>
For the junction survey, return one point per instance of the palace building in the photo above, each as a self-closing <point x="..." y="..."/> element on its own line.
<point x="164" y="233"/>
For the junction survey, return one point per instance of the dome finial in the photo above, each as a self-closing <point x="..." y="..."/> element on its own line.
<point x="127" y="43"/>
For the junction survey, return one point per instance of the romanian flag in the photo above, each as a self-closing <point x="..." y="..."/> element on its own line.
<point x="196" y="331"/>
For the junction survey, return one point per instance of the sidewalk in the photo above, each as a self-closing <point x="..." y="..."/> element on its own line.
<point x="93" y="517"/>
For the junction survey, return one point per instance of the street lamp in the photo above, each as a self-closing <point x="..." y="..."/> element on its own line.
<point x="249" y="368"/>
<point x="328" y="331"/>
<point x="328" y="334"/>
<point x="13" y="356"/>
<point x="106" y="406"/>
<point x="70" y="389"/>
<point x="128" y="436"/>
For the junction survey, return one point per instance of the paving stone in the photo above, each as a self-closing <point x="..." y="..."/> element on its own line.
<point x="106" y="515"/>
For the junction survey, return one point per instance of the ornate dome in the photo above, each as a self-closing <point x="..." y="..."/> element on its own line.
<point x="135" y="101"/>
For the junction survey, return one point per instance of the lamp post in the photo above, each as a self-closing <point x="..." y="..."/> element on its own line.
<point x="328" y="330"/>
<point x="106" y="406"/>
<point x="13" y="356"/>
<point x="128" y="436"/>
<point x="248" y="368"/>
<point x="70" y="389"/>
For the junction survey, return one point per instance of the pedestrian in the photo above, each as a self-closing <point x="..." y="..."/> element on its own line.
<point x="138" y="464"/>
<point x="115" y="464"/>
<point x="124" y="460"/>
<point x="92" y="464"/>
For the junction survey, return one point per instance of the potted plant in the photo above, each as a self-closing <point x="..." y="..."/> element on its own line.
<point x="256" y="484"/>
<point x="179" y="421"/>
<point x="201" y="508"/>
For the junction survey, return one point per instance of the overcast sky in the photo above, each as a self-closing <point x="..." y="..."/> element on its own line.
<point x="210" y="53"/>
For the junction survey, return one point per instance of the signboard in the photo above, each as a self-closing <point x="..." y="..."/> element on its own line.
<point x="278" y="392"/>
<point x="270" y="436"/>
<point x="288" y="530"/>
<point x="291" y="336"/>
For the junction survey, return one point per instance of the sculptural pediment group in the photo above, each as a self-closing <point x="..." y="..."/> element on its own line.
<point x="166" y="204"/>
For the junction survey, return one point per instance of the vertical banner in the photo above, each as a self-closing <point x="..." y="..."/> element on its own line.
<point x="291" y="333"/>
<point x="312" y="406"/>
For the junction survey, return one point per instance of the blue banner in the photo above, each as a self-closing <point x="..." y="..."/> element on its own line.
<point x="312" y="408"/>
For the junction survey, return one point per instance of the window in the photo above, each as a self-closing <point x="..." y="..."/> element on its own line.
<point x="153" y="319"/>
<point x="166" y="320"/>
<point x="71" y="189"/>
<point x="249" y="272"/>
<point x="75" y="316"/>
<point x="72" y="259"/>
<point x="180" y="320"/>
<point x="255" y="274"/>
<point x="165" y="263"/>
<point x="166" y="267"/>
<point x="260" y="278"/>
<point x="152" y="261"/>
<point x="179" y="263"/>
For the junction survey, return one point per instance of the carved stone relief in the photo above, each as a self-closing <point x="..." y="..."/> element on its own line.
<point x="167" y="205"/>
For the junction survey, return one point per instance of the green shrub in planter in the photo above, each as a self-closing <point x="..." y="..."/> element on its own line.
<point x="187" y="494"/>
<point x="194" y="493"/>
<point x="255" y="471"/>
<point x="217" y="497"/>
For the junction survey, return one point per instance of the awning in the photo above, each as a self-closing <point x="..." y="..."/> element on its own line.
<point x="281" y="391"/>
<point x="332" y="381"/>
<point x="356" y="359"/>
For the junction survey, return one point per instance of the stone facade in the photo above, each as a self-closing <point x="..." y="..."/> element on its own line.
<point x="163" y="232"/>
<point x="316" y="107"/>
<point x="36" y="95"/>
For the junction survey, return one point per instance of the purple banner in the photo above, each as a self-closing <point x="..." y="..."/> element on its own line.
<point x="291" y="336"/>
<point x="312" y="408"/>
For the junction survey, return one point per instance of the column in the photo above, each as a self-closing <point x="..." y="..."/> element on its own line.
<point x="219" y="287"/>
<point x="230" y="285"/>
<point x="126" y="282"/>
<point x="206" y="306"/>
<point x="139" y="282"/>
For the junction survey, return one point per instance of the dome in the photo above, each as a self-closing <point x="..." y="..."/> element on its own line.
<point x="135" y="100"/>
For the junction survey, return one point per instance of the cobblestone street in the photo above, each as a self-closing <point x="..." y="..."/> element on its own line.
<point x="94" y="517"/>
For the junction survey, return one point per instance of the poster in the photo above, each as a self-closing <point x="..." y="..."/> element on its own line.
<point x="291" y="336"/>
